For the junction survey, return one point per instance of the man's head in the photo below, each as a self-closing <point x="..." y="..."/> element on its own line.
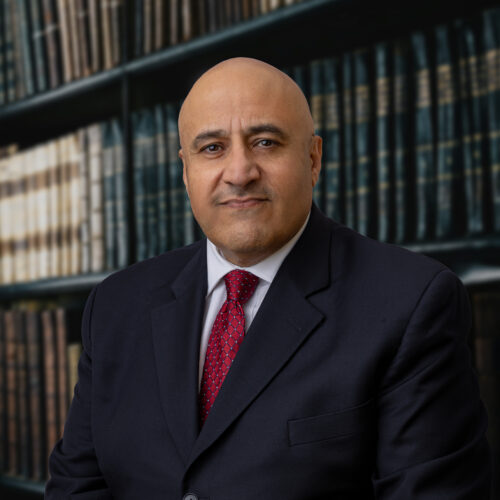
<point x="250" y="157"/>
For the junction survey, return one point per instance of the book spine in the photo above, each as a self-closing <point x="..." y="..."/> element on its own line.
<point x="20" y="77"/>
<point x="161" y="169"/>
<point x="348" y="142"/>
<point x="84" y="200"/>
<point x="159" y="24"/>
<point x="174" y="21"/>
<point x="74" y="205"/>
<point x="116" y="37"/>
<point x="31" y="215"/>
<point x="6" y="173"/>
<point x="75" y="36"/>
<point x="106" y="33"/>
<point x="51" y="34"/>
<point x="401" y="141"/>
<point x="449" y="177"/>
<point x="38" y="46"/>
<point x="384" y="185"/>
<point x="109" y="195"/>
<point x="95" y="36"/>
<point x="317" y="110"/>
<point x="22" y="397"/>
<point x="34" y="355"/>
<point x="491" y="41"/>
<point x="64" y="206"/>
<point x="424" y="137"/>
<point x="62" y="368"/>
<point x="331" y="142"/>
<point x="26" y="48"/>
<point x="50" y="379"/>
<point x="96" y="199"/>
<point x="3" y="82"/>
<point x="66" y="41"/>
<point x="12" y="402"/>
<point x="147" y="17"/>
<point x="364" y="161"/>
<point x="120" y="176"/>
<point x="186" y="20"/>
<point x="10" y="81"/>
<point x="151" y="183"/>
<point x="139" y="28"/>
<point x="54" y="186"/>
<point x="139" y="186"/>
<point x="19" y="233"/>
<point x="82" y="19"/>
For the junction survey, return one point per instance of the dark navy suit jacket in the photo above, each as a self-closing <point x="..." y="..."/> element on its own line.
<point x="354" y="381"/>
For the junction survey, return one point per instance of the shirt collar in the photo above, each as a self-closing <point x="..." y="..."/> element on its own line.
<point x="218" y="266"/>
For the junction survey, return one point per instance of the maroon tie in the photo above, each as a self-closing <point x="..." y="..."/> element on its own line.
<point x="227" y="334"/>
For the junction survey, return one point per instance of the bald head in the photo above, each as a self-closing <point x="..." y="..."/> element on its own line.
<point x="244" y="80"/>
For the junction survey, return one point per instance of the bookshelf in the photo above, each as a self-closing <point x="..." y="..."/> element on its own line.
<point x="285" y="37"/>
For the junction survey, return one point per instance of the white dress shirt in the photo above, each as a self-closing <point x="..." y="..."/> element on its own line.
<point x="218" y="267"/>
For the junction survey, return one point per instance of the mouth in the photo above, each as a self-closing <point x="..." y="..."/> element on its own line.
<point x="243" y="202"/>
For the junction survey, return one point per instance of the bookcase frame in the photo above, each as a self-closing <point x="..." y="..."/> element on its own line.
<point x="288" y="36"/>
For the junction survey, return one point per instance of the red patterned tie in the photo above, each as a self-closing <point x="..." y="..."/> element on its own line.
<point x="227" y="334"/>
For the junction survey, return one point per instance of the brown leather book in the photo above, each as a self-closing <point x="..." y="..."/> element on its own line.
<point x="66" y="40"/>
<point x="174" y="21"/>
<point x="116" y="44"/>
<point x="62" y="366"/>
<point x="51" y="35"/>
<point x="82" y="16"/>
<point x="52" y="428"/>
<point x="147" y="26"/>
<point x="106" y="33"/>
<point x="95" y="36"/>
<point x="12" y="466"/>
<point x="76" y="38"/>
<point x="159" y="24"/>
<point x="34" y="372"/>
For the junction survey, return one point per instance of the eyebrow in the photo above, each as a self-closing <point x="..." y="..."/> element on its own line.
<point x="254" y="130"/>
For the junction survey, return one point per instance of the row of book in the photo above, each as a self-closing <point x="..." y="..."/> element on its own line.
<point x="485" y="342"/>
<point x="158" y="24"/>
<point x="63" y="206"/>
<point x="38" y="371"/>
<point x="47" y="43"/>
<point x="411" y="132"/>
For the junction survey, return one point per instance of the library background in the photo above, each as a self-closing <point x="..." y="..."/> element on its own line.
<point x="405" y="94"/>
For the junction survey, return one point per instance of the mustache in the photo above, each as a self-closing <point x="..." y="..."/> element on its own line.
<point x="237" y="192"/>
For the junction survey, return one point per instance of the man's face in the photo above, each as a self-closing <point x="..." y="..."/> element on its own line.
<point x="250" y="163"/>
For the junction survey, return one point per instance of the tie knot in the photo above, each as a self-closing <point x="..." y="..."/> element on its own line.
<point x="240" y="285"/>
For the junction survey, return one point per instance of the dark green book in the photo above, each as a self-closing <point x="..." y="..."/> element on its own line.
<point x="316" y="102"/>
<point x="449" y="173"/>
<point x="10" y="78"/>
<point x="402" y="178"/>
<point x="139" y="27"/>
<point x="348" y="142"/>
<point x="109" y="195"/>
<point x="26" y="48"/>
<point x="40" y="55"/>
<point x="472" y="112"/>
<point x="151" y="185"/>
<point x="176" y="186"/>
<point x="424" y="136"/>
<point x="121" y="196"/>
<point x="161" y="179"/>
<point x="365" y="195"/>
<point x="139" y="140"/>
<point x="383" y="147"/>
<point x="491" y="41"/>
<point x="331" y="139"/>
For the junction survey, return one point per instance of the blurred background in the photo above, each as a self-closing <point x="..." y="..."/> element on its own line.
<point x="406" y="96"/>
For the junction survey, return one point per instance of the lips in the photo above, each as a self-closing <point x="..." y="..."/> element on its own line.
<point x="243" y="202"/>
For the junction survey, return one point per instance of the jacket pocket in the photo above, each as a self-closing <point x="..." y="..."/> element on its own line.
<point x="330" y="425"/>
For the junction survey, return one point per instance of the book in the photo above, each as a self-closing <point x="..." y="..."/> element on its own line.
<point x="39" y="48"/>
<point x="84" y="200"/>
<point x="82" y="18"/>
<point x="8" y="43"/>
<point x="26" y="47"/>
<point x="96" y="61"/>
<point x="53" y="208"/>
<point x="109" y="194"/>
<point x="52" y="36"/>
<point x="425" y="175"/>
<point x="76" y="37"/>
<point x="66" y="41"/>
<point x="449" y="168"/>
<point x="331" y="139"/>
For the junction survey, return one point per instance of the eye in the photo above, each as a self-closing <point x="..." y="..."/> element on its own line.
<point x="212" y="148"/>
<point x="266" y="143"/>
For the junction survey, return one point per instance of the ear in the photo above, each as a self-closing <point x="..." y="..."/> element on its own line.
<point x="315" y="156"/>
<point x="184" y="173"/>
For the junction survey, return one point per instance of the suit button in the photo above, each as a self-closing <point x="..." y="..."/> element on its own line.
<point x="189" y="496"/>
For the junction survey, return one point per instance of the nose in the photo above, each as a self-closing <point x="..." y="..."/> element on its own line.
<point x="241" y="167"/>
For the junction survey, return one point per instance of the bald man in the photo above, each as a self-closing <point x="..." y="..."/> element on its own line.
<point x="285" y="356"/>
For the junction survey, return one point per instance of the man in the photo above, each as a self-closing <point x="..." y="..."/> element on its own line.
<point x="285" y="357"/>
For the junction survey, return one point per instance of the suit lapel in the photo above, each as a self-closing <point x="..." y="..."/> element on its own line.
<point x="285" y="319"/>
<point x="176" y="326"/>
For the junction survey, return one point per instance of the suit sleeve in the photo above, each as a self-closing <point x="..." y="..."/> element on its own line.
<point x="431" y="422"/>
<point x="74" y="470"/>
